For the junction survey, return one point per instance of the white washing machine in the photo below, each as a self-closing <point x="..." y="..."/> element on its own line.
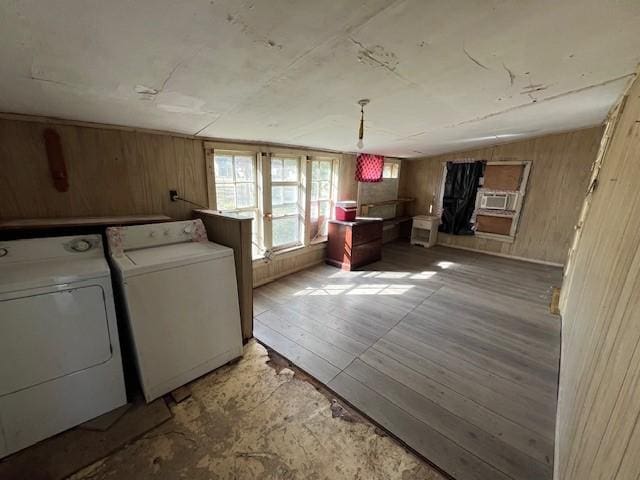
<point x="181" y="300"/>
<point x="60" y="355"/>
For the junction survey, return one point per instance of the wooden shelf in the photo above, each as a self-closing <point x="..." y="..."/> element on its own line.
<point x="68" y="222"/>
<point x="396" y="220"/>
<point x="388" y="202"/>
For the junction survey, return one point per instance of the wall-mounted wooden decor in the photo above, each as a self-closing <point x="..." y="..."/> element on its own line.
<point x="57" y="166"/>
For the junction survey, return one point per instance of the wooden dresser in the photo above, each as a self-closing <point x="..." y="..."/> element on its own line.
<point x="354" y="244"/>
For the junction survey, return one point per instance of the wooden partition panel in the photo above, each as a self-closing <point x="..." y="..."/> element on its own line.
<point x="235" y="232"/>
<point x="598" y="428"/>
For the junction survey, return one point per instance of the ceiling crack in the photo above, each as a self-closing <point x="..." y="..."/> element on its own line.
<point x="178" y="65"/>
<point x="518" y="107"/>
<point x="47" y="80"/>
<point x="345" y="31"/>
<point x="166" y="80"/>
<point x="512" y="76"/>
<point x="370" y="55"/>
<point x="546" y="99"/>
<point x="207" y="125"/>
<point x="473" y="59"/>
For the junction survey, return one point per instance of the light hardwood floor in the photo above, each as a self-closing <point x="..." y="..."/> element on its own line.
<point x="453" y="352"/>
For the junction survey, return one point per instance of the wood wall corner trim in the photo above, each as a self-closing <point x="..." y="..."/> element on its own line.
<point x="211" y="184"/>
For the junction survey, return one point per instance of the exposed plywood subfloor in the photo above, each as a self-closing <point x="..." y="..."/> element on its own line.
<point x="252" y="420"/>
<point x="453" y="352"/>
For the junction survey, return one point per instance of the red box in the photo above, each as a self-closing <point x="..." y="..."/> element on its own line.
<point x="346" y="211"/>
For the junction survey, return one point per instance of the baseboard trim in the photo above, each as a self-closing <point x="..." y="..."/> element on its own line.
<point x="504" y="255"/>
<point x="299" y="268"/>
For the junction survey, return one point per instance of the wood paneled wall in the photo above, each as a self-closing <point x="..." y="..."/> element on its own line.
<point x="347" y="185"/>
<point x="111" y="172"/>
<point x="560" y="169"/>
<point x="288" y="263"/>
<point x="598" y="428"/>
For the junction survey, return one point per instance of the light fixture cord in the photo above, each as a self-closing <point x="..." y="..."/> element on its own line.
<point x="361" y="133"/>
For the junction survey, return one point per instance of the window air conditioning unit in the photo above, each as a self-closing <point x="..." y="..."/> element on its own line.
<point x="498" y="201"/>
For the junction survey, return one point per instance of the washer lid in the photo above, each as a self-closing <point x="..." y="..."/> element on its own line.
<point x="144" y="260"/>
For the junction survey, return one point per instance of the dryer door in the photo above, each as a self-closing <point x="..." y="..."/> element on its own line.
<point x="46" y="336"/>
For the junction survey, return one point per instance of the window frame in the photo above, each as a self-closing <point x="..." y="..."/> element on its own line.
<point x="519" y="202"/>
<point x="262" y="229"/>
<point x="300" y="201"/>
<point x="394" y="168"/>
<point x="213" y="201"/>
<point x="257" y="232"/>
<point x="330" y="200"/>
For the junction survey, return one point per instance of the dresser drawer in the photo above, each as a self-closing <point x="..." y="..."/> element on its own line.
<point x="366" y="253"/>
<point x="366" y="232"/>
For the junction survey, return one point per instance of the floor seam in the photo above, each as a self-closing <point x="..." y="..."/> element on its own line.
<point x="394" y="326"/>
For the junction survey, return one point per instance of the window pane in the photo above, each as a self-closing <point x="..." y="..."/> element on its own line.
<point x="225" y="197"/>
<point x="322" y="228"/>
<point x="324" y="213"/>
<point x="290" y="194"/>
<point x="325" y="190"/>
<point x="285" y="230"/>
<point x="255" y="250"/>
<point x="287" y="209"/>
<point x="394" y="171"/>
<point x="315" y="191"/>
<point x="290" y="170"/>
<point x="276" y="170"/>
<point x="223" y="168"/>
<point x="244" y="169"/>
<point x="386" y="171"/>
<point x="324" y="209"/>
<point x="276" y="196"/>
<point x="325" y="170"/>
<point x="245" y="195"/>
<point x="319" y="209"/>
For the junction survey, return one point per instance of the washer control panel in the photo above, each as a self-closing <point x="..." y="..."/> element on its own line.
<point x="121" y="239"/>
<point x="50" y="248"/>
<point x="80" y="245"/>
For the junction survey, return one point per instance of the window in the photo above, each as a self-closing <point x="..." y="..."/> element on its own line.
<point x="288" y="195"/>
<point x="235" y="179"/>
<point x="499" y="199"/>
<point x="320" y="205"/>
<point x="390" y="170"/>
<point x="287" y="216"/>
<point x="236" y="192"/>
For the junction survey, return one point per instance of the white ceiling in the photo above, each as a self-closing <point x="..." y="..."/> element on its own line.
<point x="441" y="75"/>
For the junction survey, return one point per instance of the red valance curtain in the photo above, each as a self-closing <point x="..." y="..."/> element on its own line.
<point x="369" y="168"/>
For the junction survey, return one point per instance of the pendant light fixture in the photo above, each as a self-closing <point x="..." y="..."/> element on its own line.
<point x="362" y="103"/>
